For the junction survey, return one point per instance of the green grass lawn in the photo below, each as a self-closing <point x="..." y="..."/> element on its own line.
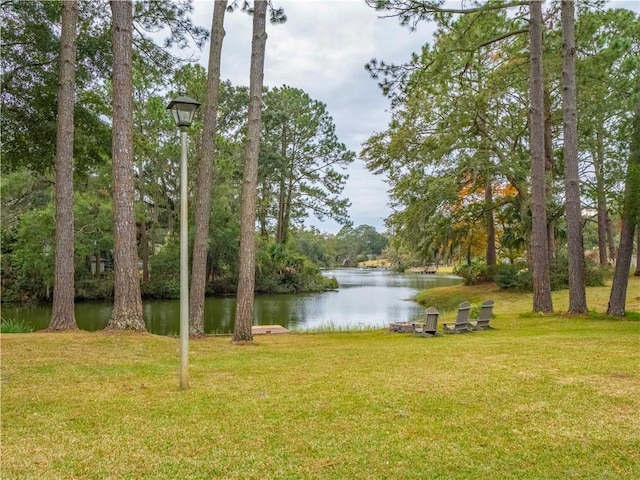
<point x="539" y="397"/>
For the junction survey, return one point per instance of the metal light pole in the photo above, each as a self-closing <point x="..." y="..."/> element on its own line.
<point x="183" y="109"/>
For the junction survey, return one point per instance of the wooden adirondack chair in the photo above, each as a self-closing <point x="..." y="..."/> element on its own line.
<point x="461" y="324"/>
<point x="486" y="311"/>
<point x="430" y="325"/>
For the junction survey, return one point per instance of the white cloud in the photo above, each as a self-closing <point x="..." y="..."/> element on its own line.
<point x="322" y="49"/>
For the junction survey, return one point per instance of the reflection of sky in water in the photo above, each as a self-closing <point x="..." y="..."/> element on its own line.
<point x="366" y="298"/>
<point x="378" y="277"/>
<point x="356" y="306"/>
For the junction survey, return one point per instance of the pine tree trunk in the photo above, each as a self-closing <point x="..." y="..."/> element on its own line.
<point x="610" y="240"/>
<point x="491" y="229"/>
<point x="144" y="242"/>
<point x="637" y="272"/>
<point x="539" y="244"/>
<point x="287" y="209"/>
<point x="262" y="208"/>
<point x="282" y="196"/>
<point x="630" y="218"/>
<point x="281" y="206"/>
<point x="618" y="294"/>
<point x="127" y="302"/>
<point x="577" y="294"/>
<point x="62" y="315"/>
<point x="601" y="198"/>
<point x="548" y="169"/>
<point x="203" y="189"/>
<point x="490" y="253"/>
<point x="247" y="273"/>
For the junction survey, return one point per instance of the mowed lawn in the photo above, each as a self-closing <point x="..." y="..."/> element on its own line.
<point x="539" y="397"/>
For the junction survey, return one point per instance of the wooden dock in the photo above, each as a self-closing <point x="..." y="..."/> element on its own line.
<point x="268" y="329"/>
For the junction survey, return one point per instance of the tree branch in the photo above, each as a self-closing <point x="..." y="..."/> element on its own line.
<point x="503" y="36"/>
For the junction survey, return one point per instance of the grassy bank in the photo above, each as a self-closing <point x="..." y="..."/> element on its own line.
<point x="540" y="397"/>
<point x="447" y="299"/>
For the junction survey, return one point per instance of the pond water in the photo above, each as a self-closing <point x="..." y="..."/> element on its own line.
<point x="366" y="298"/>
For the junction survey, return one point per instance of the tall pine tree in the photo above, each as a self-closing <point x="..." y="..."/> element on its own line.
<point x="62" y="315"/>
<point x="127" y="300"/>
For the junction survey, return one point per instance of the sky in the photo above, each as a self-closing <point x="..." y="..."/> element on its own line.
<point x="322" y="49"/>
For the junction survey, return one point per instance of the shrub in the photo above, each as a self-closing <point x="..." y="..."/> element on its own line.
<point x="281" y="269"/>
<point x="525" y="277"/>
<point x="559" y="273"/>
<point x="472" y="274"/>
<point x="222" y="285"/>
<point x="400" y="267"/>
<point x="94" y="288"/>
<point x="164" y="269"/>
<point x="507" y="277"/>
<point x="166" y="262"/>
<point x="161" y="288"/>
<point x="521" y="277"/>
<point x="14" y="326"/>
<point x="594" y="274"/>
<point x="468" y="273"/>
<point x="330" y="283"/>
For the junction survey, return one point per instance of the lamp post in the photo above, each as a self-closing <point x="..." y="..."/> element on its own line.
<point x="183" y="109"/>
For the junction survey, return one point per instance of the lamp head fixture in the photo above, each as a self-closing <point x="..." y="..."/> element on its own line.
<point x="183" y="109"/>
